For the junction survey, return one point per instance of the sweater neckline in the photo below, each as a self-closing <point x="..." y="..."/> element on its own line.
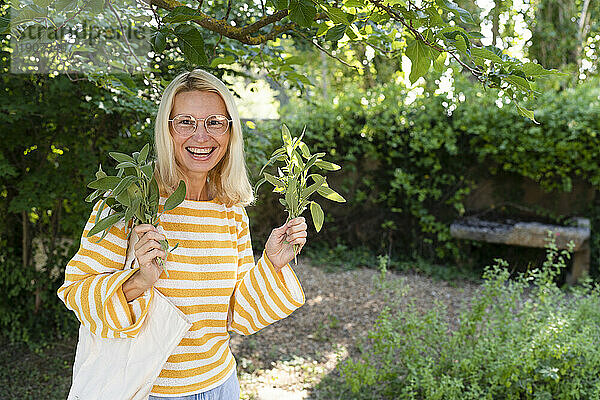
<point x="189" y="202"/>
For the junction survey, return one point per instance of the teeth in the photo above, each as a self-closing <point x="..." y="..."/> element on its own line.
<point x="201" y="152"/>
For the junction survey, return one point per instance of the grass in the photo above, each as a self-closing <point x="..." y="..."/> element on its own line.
<point x="39" y="374"/>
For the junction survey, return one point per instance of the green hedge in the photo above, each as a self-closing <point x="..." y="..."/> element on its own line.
<point x="408" y="166"/>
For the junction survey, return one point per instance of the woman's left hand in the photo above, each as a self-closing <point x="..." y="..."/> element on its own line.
<point x="280" y="244"/>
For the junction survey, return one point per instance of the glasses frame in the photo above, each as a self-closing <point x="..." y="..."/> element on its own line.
<point x="196" y="120"/>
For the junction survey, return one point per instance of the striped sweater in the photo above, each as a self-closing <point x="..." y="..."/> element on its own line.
<point x="213" y="279"/>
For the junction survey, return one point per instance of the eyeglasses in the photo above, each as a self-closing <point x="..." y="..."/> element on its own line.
<point x="186" y="125"/>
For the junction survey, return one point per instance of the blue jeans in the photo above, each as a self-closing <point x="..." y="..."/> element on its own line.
<point x="228" y="390"/>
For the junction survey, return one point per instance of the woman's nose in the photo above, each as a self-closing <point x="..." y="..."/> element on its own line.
<point x="201" y="132"/>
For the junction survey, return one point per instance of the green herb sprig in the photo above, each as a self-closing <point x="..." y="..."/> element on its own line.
<point x="293" y="178"/>
<point x="133" y="194"/>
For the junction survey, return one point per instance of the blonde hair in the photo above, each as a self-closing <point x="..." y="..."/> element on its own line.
<point x="228" y="181"/>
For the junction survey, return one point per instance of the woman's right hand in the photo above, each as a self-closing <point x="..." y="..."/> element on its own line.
<point x="146" y="250"/>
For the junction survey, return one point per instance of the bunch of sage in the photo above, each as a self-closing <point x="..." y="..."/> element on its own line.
<point x="132" y="194"/>
<point x="293" y="178"/>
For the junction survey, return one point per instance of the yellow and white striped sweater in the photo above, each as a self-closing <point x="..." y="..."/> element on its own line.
<point x="212" y="278"/>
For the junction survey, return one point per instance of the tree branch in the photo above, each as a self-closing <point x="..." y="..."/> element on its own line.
<point x="269" y="19"/>
<point x="241" y="34"/>
<point x="398" y="17"/>
<point x="318" y="46"/>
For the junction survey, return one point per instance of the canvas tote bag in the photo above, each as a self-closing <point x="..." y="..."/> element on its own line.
<point x="125" y="369"/>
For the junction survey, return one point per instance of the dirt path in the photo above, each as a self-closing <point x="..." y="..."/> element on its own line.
<point x="288" y="358"/>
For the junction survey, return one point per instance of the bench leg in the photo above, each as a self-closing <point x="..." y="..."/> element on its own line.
<point x="581" y="264"/>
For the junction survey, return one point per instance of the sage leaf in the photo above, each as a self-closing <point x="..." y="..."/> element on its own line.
<point x="326" y="165"/>
<point x="124" y="184"/>
<point x="176" y="198"/>
<point x="105" y="223"/>
<point x="313" y="188"/>
<point x="100" y="173"/>
<point x="126" y="164"/>
<point x="304" y="149"/>
<point x="330" y="194"/>
<point x="273" y="180"/>
<point x="148" y="170"/>
<point x="317" y="215"/>
<point x="286" y="136"/>
<point x="144" y="154"/>
<point x="106" y="183"/>
<point x="93" y="196"/>
<point x="120" y="157"/>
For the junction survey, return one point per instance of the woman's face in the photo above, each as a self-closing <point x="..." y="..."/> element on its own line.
<point x="199" y="104"/>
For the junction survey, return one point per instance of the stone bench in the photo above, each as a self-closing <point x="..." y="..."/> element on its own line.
<point x="531" y="234"/>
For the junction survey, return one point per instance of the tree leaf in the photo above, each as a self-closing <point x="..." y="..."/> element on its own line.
<point x="105" y="223"/>
<point x="326" y="165"/>
<point x="130" y="211"/>
<point x="525" y="112"/>
<point x="335" y="33"/>
<point x="419" y="56"/>
<point x="181" y="14"/>
<point x="518" y="81"/>
<point x="330" y="194"/>
<point x="176" y="198"/>
<point x="317" y="215"/>
<point x="281" y="4"/>
<point x="336" y="15"/>
<point x="153" y="196"/>
<point x="106" y="183"/>
<point x="485" y="53"/>
<point x="191" y="43"/>
<point x="302" y="12"/>
<point x="160" y="41"/>
<point x="533" y="69"/>
<point x="291" y="196"/>
<point x="463" y="14"/>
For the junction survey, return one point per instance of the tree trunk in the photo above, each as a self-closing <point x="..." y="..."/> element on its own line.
<point x="496" y="21"/>
<point x="582" y="32"/>
<point x="324" y="74"/>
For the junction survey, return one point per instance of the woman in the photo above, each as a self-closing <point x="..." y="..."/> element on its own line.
<point x="213" y="278"/>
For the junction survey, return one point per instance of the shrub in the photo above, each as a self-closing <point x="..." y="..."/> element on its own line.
<point x="520" y="338"/>
<point x="408" y="166"/>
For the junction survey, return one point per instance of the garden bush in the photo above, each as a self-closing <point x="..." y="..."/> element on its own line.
<point x="520" y="337"/>
<point x="409" y="164"/>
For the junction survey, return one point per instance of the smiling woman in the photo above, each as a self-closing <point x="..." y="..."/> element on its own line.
<point x="182" y="127"/>
<point x="213" y="278"/>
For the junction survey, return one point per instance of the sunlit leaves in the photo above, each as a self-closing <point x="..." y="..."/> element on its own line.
<point x="302" y="12"/>
<point x="192" y="44"/>
<point x="420" y="58"/>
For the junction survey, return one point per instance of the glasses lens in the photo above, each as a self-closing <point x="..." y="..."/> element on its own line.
<point x="184" y="124"/>
<point x="217" y="124"/>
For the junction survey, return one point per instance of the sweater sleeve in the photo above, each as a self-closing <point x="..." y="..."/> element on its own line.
<point x="261" y="295"/>
<point x="94" y="278"/>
